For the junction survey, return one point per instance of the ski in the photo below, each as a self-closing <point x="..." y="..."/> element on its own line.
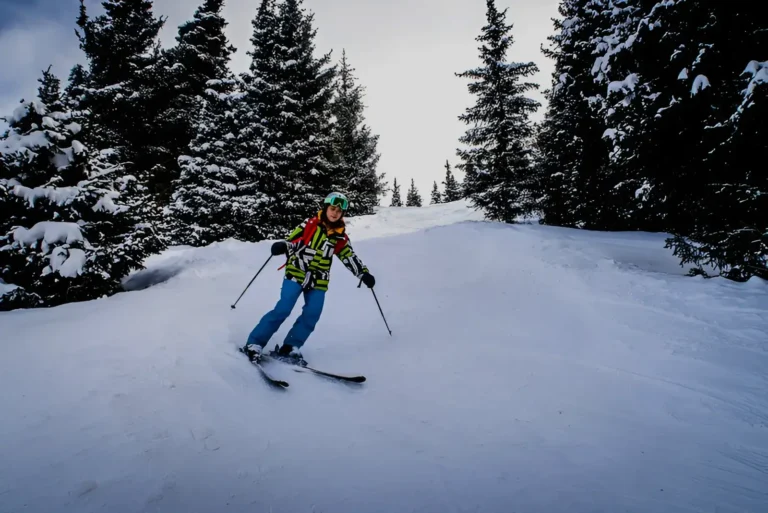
<point x="271" y="380"/>
<point x="318" y="372"/>
<point x="278" y="383"/>
<point x="340" y="377"/>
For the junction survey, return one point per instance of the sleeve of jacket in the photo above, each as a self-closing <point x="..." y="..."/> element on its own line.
<point x="350" y="260"/>
<point x="295" y="234"/>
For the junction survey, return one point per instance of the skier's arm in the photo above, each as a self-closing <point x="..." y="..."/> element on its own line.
<point x="350" y="260"/>
<point x="297" y="232"/>
<point x="293" y="236"/>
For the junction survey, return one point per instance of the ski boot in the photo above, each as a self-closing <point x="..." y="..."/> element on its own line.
<point x="289" y="354"/>
<point x="252" y="351"/>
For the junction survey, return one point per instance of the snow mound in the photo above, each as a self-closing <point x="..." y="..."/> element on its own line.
<point x="389" y="221"/>
<point x="531" y="369"/>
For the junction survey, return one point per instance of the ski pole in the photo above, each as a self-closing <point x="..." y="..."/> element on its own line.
<point x="379" y="305"/>
<point x="252" y="279"/>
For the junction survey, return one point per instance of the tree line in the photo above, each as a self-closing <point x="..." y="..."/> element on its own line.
<point x="452" y="191"/>
<point x="655" y="121"/>
<point x="147" y="147"/>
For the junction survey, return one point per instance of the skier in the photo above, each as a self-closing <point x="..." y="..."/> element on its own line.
<point x="309" y="249"/>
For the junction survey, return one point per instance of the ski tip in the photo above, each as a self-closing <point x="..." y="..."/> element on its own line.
<point x="329" y="375"/>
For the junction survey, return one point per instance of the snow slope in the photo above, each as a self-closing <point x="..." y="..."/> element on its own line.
<point x="532" y="369"/>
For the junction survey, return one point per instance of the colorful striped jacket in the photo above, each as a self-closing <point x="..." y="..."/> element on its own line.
<point x="311" y="247"/>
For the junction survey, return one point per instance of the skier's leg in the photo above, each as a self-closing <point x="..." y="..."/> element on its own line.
<point x="272" y="321"/>
<point x="310" y="314"/>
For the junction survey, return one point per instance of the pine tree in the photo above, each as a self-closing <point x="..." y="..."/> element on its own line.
<point x="203" y="111"/>
<point x="65" y="233"/>
<point x="453" y="190"/>
<point x="729" y="200"/>
<point x="74" y="93"/>
<point x="397" y="200"/>
<point x="287" y="109"/>
<point x="354" y="147"/>
<point x="414" y="198"/>
<point x="675" y="166"/>
<point x="572" y="153"/>
<point x="192" y="69"/>
<point x="203" y="207"/>
<point x="258" y="184"/>
<point x="653" y="119"/>
<point x="436" y="196"/>
<point x="202" y="52"/>
<point x="122" y="92"/>
<point x="49" y="92"/>
<point x="497" y="161"/>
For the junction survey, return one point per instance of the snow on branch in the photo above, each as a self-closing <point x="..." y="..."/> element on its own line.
<point x="626" y="85"/>
<point x="58" y="195"/>
<point x="759" y="72"/>
<point x="50" y="232"/>
<point x="21" y="111"/>
<point x="6" y="288"/>
<point x="24" y="144"/>
<point x="67" y="262"/>
<point x="107" y="204"/>
<point x="699" y="84"/>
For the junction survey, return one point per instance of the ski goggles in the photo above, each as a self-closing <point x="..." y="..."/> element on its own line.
<point x="337" y="200"/>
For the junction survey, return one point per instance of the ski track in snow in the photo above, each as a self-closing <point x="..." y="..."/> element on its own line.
<point x="532" y="369"/>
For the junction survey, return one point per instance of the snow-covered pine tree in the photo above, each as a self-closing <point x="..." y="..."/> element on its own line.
<point x="729" y="195"/>
<point x="202" y="53"/>
<point x="74" y="93"/>
<point x="497" y="160"/>
<point x="397" y="198"/>
<point x="616" y="199"/>
<point x="202" y="111"/>
<point x="413" y="199"/>
<point x="288" y="103"/>
<point x="307" y="86"/>
<point x="670" y="118"/>
<point x="354" y="146"/>
<point x="65" y="233"/>
<point x="202" y="209"/>
<point x="256" y="139"/>
<point x="572" y="154"/>
<point x="201" y="57"/>
<point x="49" y="92"/>
<point x="452" y="187"/>
<point x="121" y="89"/>
<point x="437" y="197"/>
<point x="656" y="114"/>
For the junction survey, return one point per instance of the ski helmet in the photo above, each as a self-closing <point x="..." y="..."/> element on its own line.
<point x="337" y="199"/>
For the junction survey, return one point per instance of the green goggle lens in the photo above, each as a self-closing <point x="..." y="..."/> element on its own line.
<point x="342" y="203"/>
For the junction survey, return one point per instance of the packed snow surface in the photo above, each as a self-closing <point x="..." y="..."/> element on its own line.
<point x="532" y="369"/>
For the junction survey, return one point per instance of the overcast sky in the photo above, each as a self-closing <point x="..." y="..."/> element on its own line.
<point x="405" y="52"/>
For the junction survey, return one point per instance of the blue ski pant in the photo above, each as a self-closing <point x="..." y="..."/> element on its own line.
<point x="304" y="325"/>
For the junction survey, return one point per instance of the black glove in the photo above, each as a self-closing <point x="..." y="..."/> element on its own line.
<point x="280" y="248"/>
<point x="369" y="280"/>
